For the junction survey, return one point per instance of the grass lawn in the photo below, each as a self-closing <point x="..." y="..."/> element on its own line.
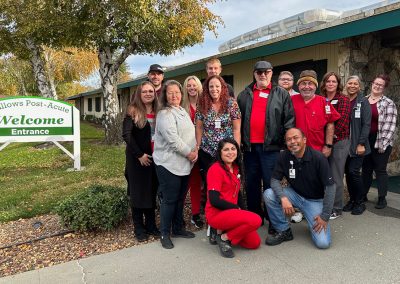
<point x="34" y="180"/>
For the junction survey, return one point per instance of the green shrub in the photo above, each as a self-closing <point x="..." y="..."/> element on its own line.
<point x="96" y="208"/>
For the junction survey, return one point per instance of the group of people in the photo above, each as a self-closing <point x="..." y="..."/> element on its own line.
<point x="289" y="151"/>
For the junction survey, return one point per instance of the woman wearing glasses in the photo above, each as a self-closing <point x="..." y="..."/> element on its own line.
<point x="383" y="125"/>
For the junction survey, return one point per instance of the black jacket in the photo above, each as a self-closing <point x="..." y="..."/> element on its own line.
<point x="279" y="117"/>
<point x="359" y="127"/>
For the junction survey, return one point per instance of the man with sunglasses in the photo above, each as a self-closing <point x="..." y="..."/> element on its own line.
<point x="267" y="112"/>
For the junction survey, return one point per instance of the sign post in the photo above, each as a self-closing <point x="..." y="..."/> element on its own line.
<point x="35" y="119"/>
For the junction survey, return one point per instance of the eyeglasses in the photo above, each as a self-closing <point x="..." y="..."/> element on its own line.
<point x="266" y="72"/>
<point x="378" y="85"/>
<point x="285" y="79"/>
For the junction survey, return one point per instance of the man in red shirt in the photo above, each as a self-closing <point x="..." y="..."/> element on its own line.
<point x="315" y="115"/>
<point x="267" y="112"/>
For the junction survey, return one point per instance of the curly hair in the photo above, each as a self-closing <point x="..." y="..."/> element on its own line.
<point x="205" y="100"/>
<point x="325" y="78"/>
<point x="237" y="161"/>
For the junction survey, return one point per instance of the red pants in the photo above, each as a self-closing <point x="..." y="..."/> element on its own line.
<point x="195" y="184"/>
<point x="239" y="225"/>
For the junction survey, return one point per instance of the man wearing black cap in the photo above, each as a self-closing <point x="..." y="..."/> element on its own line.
<point x="266" y="115"/>
<point x="156" y="77"/>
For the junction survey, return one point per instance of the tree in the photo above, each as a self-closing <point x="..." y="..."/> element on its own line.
<point x="25" y="28"/>
<point x="120" y="28"/>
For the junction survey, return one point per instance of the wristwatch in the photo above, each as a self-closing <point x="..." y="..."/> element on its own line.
<point x="329" y="146"/>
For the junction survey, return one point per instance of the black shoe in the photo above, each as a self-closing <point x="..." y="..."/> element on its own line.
<point x="196" y="221"/>
<point x="349" y="206"/>
<point x="213" y="236"/>
<point x="183" y="234"/>
<point x="225" y="247"/>
<point x="279" y="238"/>
<point x="142" y="237"/>
<point x="271" y="230"/>
<point x="154" y="232"/>
<point x="381" y="202"/>
<point x="358" y="209"/>
<point x="166" y="242"/>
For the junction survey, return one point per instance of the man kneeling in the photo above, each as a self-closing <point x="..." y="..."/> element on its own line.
<point x="311" y="189"/>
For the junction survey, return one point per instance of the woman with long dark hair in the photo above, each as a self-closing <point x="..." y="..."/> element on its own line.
<point x="138" y="132"/>
<point x="381" y="135"/>
<point x="224" y="204"/>
<point x="331" y="89"/>
<point x="360" y="123"/>
<point x="174" y="154"/>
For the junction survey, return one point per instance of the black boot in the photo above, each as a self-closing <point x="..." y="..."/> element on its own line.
<point x="381" y="202"/>
<point x="279" y="237"/>
<point x="358" y="208"/>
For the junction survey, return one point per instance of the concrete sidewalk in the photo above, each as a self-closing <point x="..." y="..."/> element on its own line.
<point x="365" y="249"/>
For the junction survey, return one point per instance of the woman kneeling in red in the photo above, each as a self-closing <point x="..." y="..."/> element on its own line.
<point x="224" y="203"/>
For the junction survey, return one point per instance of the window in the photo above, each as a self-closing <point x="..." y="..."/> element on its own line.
<point x="97" y="104"/>
<point x="89" y="104"/>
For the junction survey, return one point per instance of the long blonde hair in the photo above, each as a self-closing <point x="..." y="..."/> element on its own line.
<point x="186" y="102"/>
<point x="136" y="108"/>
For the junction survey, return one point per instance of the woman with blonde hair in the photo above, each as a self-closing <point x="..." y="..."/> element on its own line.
<point x="138" y="133"/>
<point x="192" y="89"/>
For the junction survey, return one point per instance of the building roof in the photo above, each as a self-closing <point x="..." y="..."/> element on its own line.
<point x="362" y="23"/>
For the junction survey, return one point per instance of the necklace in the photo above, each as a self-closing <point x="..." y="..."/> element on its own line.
<point x="373" y="99"/>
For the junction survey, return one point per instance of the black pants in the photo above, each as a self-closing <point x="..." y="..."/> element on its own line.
<point x="172" y="189"/>
<point x="376" y="162"/>
<point x="144" y="220"/>
<point x="205" y="162"/>
<point x="355" y="184"/>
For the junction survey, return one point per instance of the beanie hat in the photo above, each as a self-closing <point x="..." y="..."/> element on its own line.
<point x="308" y="75"/>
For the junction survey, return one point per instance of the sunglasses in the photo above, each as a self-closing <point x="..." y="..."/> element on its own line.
<point x="266" y="72"/>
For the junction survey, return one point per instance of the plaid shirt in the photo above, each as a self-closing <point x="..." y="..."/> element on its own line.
<point x="386" y="123"/>
<point x="342" y="125"/>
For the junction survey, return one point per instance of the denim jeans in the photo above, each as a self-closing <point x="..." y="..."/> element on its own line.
<point x="310" y="208"/>
<point x="172" y="189"/>
<point x="258" y="166"/>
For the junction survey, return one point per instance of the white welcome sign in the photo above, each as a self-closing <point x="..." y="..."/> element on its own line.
<point x="34" y="119"/>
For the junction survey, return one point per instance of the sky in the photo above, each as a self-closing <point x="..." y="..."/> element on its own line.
<point x="239" y="16"/>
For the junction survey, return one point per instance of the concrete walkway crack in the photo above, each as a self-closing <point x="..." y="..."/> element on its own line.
<point x="83" y="272"/>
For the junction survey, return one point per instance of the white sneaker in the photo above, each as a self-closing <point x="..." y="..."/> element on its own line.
<point x="297" y="217"/>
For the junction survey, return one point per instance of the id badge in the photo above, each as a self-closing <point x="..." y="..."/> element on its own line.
<point x="328" y="109"/>
<point x="218" y="123"/>
<point x="264" y="95"/>
<point x="334" y="102"/>
<point x="292" y="173"/>
<point x="357" y="113"/>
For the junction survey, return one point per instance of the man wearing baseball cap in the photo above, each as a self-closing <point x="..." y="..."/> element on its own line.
<point x="267" y="112"/>
<point x="156" y="77"/>
<point x="314" y="114"/>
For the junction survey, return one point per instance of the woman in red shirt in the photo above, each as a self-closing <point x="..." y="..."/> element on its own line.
<point x="224" y="205"/>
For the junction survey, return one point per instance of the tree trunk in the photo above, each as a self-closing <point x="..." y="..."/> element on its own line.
<point x="39" y="70"/>
<point x="113" y="117"/>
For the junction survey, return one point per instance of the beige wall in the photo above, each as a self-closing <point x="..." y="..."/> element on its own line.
<point x="242" y="71"/>
<point x="93" y="112"/>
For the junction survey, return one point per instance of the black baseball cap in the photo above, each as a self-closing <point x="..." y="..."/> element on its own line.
<point x="156" y="67"/>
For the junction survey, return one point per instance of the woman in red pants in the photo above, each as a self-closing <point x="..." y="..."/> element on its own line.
<point x="224" y="204"/>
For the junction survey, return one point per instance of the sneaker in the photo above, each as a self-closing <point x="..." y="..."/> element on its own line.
<point x="358" y="209"/>
<point x="279" y="238"/>
<point x="212" y="238"/>
<point x="297" y="217"/>
<point x="196" y="221"/>
<point x="349" y="206"/>
<point x="142" y="237"/>
<point x="335" y="215"/>
<point x="381" y="202"/>
<point x="166" y="242"/>
<point x="225" y="247"/>
<point x="183" y="234"/>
